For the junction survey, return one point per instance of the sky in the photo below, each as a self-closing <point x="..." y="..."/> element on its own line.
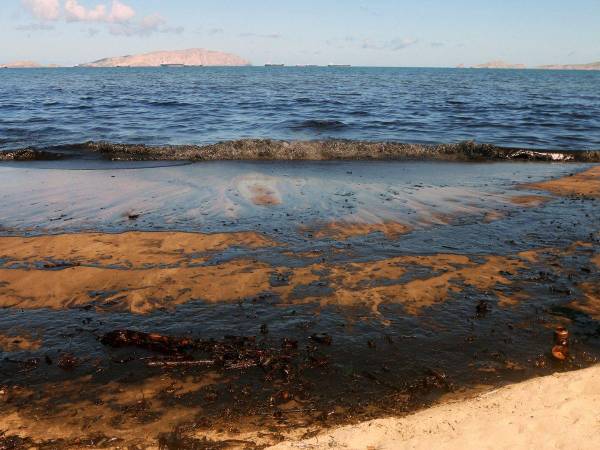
<point x="415" y="33"/>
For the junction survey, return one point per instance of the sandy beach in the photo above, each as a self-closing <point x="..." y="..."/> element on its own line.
<point x="560" y="411"/>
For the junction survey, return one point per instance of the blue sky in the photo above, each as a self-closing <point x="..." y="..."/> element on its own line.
<point x="358" y="32"/>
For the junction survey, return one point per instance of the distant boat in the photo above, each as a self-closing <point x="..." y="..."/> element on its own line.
<point x="172" y="65"/>
<point x="274" y="65"/>
<point x="339" y="65"/>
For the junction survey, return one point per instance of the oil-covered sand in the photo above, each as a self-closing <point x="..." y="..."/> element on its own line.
<point x="229" y="304"/>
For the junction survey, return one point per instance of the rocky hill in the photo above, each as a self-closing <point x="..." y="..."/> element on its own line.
<point x="499" y="65"/>
<point x="590" y="66"/>
<point x="190" y="57"/>
<point x="24" y="65"/>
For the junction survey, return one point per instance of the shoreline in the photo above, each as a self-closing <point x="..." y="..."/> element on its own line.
<point x="555" y="411"/>
<point x="302" y="150"/>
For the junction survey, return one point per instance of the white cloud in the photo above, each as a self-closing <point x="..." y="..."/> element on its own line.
<point x="91" y="32"/>
<point x="119" y="17"/>
<point x="369" y="44"/>
<point x="119" y="12"/>
<point x="35" y="27"/>
<point x="154" y="23"/>
<point x="261" y="36"/>
<point x="401" y="44"/>
<point x="43" y="9"/>
<point x="75" y="12"/>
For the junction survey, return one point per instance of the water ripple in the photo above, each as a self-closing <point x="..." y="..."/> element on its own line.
<point x="204" y="105"/>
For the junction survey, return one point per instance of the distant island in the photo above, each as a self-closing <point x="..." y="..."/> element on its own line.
<point x="590" y="66"/>
<point x="197" y="57"/>
<point x="177" y="58"/>
<point x="499" y="65"/>
<point x="25" y="65"/>
<point x="505" y="65"/>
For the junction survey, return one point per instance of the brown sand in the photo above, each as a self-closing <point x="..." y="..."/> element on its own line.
<point x="374" y="283"/>
<point x="140" y="291"/>
<point x="142" y="272"/>
<point x="154" y="272"/>
<point x="133" y="412"/>
<point x="590" y="303"/>
<point x="343" y="231"/>
<point x="561" y="411"/>
<point x="586" y="184"/>
<point x="131" y="250"/>
<point x="530" y="200"/>
<point x="18" y="343"/>
<point x="492" y="216"/>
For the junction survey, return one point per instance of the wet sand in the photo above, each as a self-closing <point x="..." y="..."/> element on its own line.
<point x="584" y="184"/>
<point x="279" y="302"/>
<point x="71" y="273"/>
<point x="343" y="231"/>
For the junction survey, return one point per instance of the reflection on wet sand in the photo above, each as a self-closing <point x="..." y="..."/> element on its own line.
<point x="260" y="190"/>
<point x="217" y="196"/>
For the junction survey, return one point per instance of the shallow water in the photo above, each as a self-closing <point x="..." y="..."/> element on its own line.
<point x="515" y="108"/>
<point x="231" y="196"/>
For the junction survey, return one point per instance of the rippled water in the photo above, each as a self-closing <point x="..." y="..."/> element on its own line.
<point x="529" y="108"/>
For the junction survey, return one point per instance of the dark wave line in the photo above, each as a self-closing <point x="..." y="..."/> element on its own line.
<point x="275" y="150"/>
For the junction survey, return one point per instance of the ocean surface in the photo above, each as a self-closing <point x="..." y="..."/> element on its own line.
<point x="518" y="108"/>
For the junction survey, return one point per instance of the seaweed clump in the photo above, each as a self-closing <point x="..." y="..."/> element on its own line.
<point x="268" y="149"/>
<point x="29" y="154"/>
<point x="324" y="150"/>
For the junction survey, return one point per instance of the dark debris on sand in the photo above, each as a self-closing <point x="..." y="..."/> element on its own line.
<point x="13" y="442"/>
<point x="178" y="440"/>
<point x="230" y="353"/>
